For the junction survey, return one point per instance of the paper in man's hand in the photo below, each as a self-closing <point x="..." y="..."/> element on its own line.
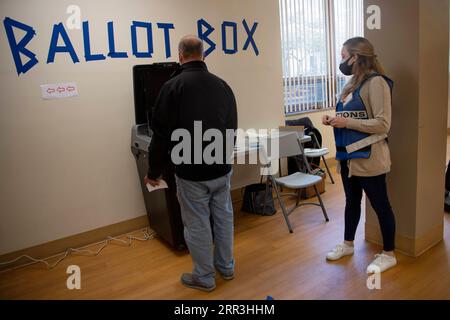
<point x="162" y="185"/>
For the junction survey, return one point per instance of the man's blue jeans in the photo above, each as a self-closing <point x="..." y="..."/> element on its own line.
<point x="199" y="201"/>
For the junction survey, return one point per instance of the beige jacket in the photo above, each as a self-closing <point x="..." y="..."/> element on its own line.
<point x="376" y="96"/>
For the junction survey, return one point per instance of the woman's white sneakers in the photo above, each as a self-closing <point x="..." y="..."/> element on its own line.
<point x="381" y="263"/>
<point x="341" y="250"/>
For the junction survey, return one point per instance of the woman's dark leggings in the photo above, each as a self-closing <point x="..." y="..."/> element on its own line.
<point x="376" y="192"/>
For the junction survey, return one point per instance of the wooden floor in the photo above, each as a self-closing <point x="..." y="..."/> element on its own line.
<point x="269" y="261"/>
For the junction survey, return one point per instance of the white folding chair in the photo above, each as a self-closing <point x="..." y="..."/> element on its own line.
<point x="290" y="145"/>
<point x="318" y="152"/>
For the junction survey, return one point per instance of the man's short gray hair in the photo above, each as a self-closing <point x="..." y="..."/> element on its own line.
<point x="191" y="47"/>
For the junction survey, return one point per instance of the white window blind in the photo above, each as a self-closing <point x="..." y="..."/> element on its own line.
<point x="312" y="34"/>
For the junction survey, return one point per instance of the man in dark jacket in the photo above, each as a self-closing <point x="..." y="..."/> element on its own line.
<point x="191" y="125"/>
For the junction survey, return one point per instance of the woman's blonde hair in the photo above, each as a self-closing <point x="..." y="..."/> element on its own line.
<point x="366" y="63"/>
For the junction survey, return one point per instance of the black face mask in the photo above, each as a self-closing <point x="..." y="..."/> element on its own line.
<point x="345" y="68"/>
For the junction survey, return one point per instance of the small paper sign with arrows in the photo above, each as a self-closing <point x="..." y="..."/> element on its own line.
<point x="59" y="90"/>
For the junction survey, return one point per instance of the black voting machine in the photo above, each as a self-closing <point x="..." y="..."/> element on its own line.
<point x="162" y="207"/>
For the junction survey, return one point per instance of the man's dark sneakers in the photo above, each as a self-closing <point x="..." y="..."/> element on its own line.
<point x="227" y="276"/>
<point x="188" y="281"/>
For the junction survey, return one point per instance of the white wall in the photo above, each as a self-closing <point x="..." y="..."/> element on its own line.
<point x="65" y="165"/>
<point x="448" y="114"/>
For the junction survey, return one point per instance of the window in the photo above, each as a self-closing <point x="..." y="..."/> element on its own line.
<point x="312" y="34"/>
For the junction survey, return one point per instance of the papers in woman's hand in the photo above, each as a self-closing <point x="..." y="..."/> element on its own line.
<point x="162" y="185"/>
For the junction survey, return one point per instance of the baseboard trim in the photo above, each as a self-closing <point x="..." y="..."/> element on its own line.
<point x="76" y="241"/>
<point x="405" y="245"/>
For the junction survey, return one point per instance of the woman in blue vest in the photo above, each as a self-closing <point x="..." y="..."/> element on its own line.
<point x="361" y="125"/>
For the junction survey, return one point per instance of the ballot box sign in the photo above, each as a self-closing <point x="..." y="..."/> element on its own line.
<point x="145" y="38"/>
<point x="59" y="90"/>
